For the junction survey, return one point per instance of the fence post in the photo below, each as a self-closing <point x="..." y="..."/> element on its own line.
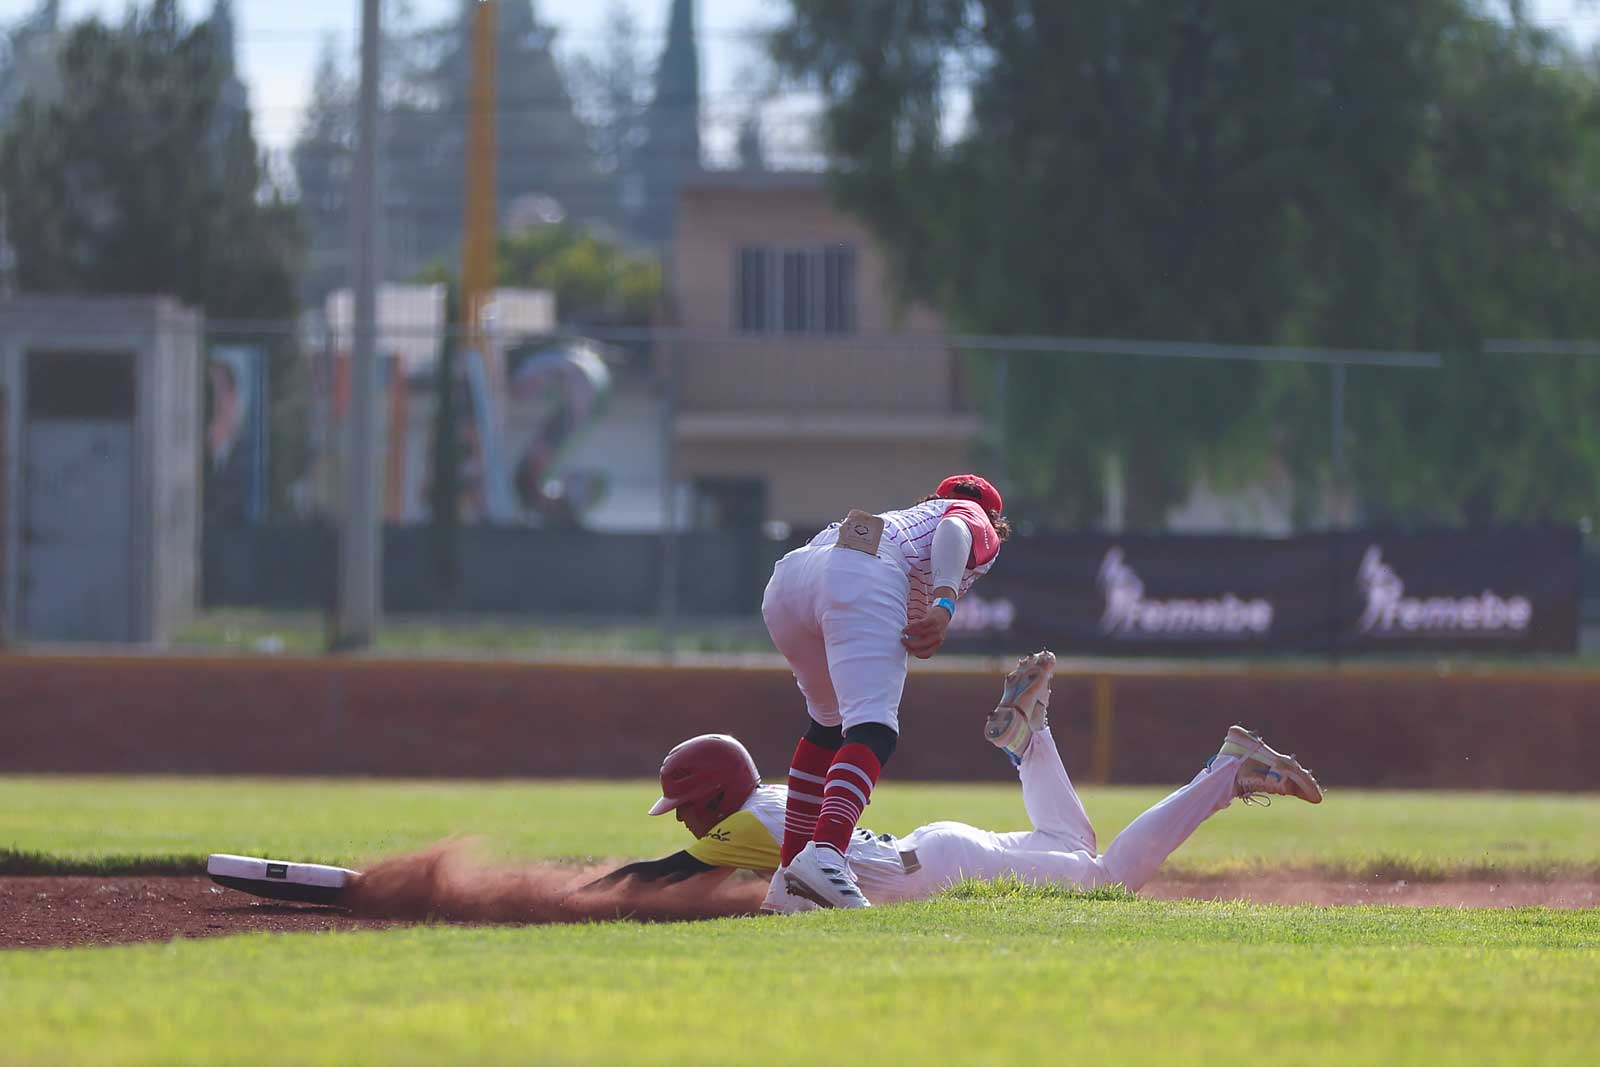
<point x="667" y="615"/>
<point x="1104" y="714"/>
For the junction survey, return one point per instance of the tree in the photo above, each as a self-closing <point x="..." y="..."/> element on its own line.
<point x="596" y="282"/>
<point x="612" y="87"/>
<point x="323" y="157"/>
<point x="542" y="148"/>
<point x="1251" y="172"/>
<point x="140" y="180"/>
<point x="124" y="186"/>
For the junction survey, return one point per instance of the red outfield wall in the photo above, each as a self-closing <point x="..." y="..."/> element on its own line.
<point x="1354" y="726"/>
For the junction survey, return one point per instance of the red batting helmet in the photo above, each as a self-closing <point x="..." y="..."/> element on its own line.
<point x="701" y="767"/>
<point x="988" y="496"/>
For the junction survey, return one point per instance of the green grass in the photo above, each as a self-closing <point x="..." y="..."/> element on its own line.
<point x="986" y="974"/>
<point x="246" y="630"/>
<point x="1002" y="976"/>
<point x="251" y="631"/>
<point x="105" y="824"/>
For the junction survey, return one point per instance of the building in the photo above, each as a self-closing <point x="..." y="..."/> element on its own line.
<point x="803" y="389"/>
<point x="99" y="468"/>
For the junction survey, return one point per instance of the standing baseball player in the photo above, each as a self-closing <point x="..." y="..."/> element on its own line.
<point x="844" y="610"/>
<point x="712" y="784"/>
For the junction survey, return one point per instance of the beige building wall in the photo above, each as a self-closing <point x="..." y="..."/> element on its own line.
<point x="873" y="418"/>
<point x="813" y="483"/>
<point x="716" y="218"/>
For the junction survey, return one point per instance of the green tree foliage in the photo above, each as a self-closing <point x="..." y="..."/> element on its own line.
<point x="143" y="176"/>
<point x="596" y="281"/>
<point x="1403" y="175"/>
<point x="543" y="150"/>
<point x="127" y="183"/>
<point x="323" y="156"/>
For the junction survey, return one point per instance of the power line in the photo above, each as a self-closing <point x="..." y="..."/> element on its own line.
<point x="1502" y="347"/>
<point x="884" y="342"/>
<point x="718" y="103"/>
<point x="561" y="35"/>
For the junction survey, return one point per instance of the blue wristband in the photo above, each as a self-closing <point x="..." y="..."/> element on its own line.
<point x="947" y="604"/>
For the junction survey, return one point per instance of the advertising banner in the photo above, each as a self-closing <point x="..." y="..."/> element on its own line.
<point x="1512" y="590"/>
<point x="236" y="434"/>
<point x="1350" y="592"/>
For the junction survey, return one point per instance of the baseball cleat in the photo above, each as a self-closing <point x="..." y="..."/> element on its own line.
<point x="1263" y="770"/>
<point x="819" y="874"/>
<point x="1024" y="705"/>
<point x="780" y="901"/>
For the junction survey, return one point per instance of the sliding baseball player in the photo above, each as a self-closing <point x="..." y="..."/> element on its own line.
<point x="712" y="784"/>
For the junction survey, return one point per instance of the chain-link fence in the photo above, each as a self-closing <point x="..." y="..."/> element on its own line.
<point x="631" y="488"/>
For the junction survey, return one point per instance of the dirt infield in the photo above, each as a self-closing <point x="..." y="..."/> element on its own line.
<point x="87" y="911"/>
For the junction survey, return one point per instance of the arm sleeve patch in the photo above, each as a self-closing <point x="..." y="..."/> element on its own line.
<point x="738" y="841"/>
<point x="985" y="542"/>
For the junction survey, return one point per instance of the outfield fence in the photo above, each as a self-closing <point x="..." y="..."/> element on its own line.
<point x="1357" y="726"/>
<point x="650" y="477"/>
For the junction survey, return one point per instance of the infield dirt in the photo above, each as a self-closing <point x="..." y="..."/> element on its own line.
<point x="47" y="912"/>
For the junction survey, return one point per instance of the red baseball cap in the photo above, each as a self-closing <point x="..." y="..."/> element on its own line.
<point x="988" y="495"/>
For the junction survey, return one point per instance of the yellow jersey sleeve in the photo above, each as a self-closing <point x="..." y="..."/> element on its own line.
<point x="739" y="841"/>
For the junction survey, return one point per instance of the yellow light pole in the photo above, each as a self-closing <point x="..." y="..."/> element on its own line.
<point x="477" y="246"/>
<point x="477" y="261"/>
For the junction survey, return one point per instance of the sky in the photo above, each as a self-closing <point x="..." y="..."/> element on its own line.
<point x="279" y="40"/>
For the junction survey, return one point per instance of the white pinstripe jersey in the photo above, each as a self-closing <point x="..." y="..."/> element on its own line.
<point x="910" y="532"/>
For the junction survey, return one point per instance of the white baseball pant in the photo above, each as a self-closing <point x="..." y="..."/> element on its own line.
<point x="1059" y="850"/>
<point x="837" y="616"/>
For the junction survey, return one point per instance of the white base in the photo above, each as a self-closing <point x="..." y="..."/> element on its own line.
<point x="255" y="869"/>
<point x="303" y="883"/>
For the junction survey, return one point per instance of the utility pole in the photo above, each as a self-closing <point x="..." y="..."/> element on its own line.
<point x="479" y="213"/>
<point x="477" y="246"/>
<point x="8" y="257"/>
<point x="1341" y="509"/>
<point x="360" y="544"/>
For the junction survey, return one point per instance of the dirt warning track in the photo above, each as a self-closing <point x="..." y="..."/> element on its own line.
<point x="51" y="912"/>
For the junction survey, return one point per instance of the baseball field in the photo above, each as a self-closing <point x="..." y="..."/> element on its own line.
<point x="1233" y="953"/>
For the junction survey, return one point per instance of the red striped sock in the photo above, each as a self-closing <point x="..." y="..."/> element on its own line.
<point x="845" y="795"/>
<point x="807" y="771"/>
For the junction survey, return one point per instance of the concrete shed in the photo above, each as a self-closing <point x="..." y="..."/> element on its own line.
<point x="99" y="468"/>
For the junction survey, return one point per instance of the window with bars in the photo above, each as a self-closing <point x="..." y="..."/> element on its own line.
<point x="809" y="289"/>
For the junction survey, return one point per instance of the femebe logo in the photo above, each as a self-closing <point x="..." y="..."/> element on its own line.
<point x="1390" y="612"/>
<point x="1130" y="614"/>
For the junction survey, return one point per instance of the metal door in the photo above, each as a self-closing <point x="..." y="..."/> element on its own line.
<point x="77" y="530"/>
<point x="76" y="497"/>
